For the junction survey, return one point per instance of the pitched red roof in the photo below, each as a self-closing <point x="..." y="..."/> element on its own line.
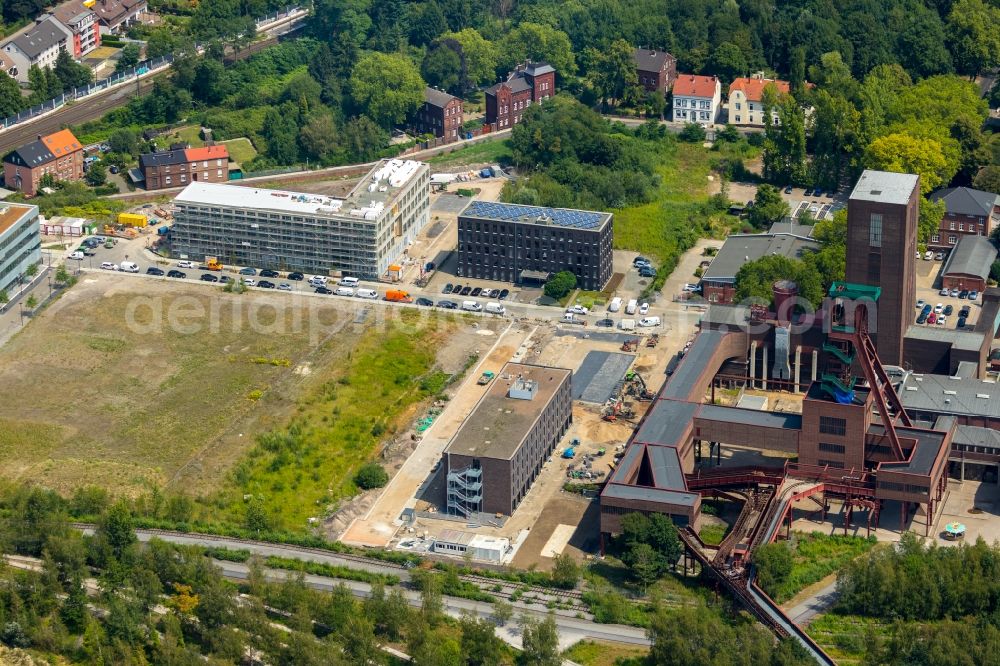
<point x="692" y="85"/>
<point x="754" y="88"/>
<point x="206" y="153"/>
<point x="61" y="143"/>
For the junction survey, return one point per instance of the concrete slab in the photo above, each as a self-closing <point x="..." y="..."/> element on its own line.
<point x="598" y="374"/>
<point x="450" y="203"/>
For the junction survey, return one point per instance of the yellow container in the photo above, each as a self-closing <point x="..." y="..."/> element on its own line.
<point x="132" y="219"/>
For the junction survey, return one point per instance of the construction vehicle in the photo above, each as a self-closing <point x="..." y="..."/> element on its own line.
<point x="617" y="410"/>
<point x="485" y="378"/>
<point x="398" y="296"/>
<point x="652" y="340"/>
<point x="212" y="263"/>
<point x="630" y="345"/>
<point x="635" y="385"/>
<point x="601" y="451"/>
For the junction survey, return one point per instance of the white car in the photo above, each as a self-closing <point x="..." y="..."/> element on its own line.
<point x="185" y="264"/>
<point x="944" y="292"/>
<point x="693" y="288"/>
<point x="250" y="283"/>
<point x="939" y="308"/>
<point x="486" y="293"/>
<point x="920" y="304"/>
<point x="644" y="308"/>
<point x="77" y="255"/>
<point x="942" y="320"/>
<point x="955" y="293"/>
<point x="284" y="286"/>
<point x="108" y="266"/>
<point x="577" y="309"/>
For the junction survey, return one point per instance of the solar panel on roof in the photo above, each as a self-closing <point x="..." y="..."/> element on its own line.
<point x="576" y="219"/>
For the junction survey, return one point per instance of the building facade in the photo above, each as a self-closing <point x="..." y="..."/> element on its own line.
<point x="59" y="154"/>
<point x="881" y="242"/>
<point x="531" y="83"/>
<point x="968" y="265"/>
<point x="696" y="99"/>
<point x="656" y="70"/>
<point x="39" y="46"/>
<point x="718" y="282"/>
<point x="177" y="168"/>
<point x="499" y="450"/>
<point x="968" y="212"/>
<point x="514" y="243"/>
<point x="440" y="115"/>
<point x="82" y="23"/>
<point x="360" y="235"/>
<point x="746" y="108"/>
<point x="20" y="242"/>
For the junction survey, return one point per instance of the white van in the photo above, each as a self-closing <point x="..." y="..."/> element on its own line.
<point x="344" y="291"/>
<point x="348" y="282"/>
<point x="631" y="306"/>
<point x="128" y="267"/>
<point x="615" y="305"/>
<point x="472" y="306"/>
<point x="366" y="293"/>
<point x="647" y="322"/>
<point x="627" y="324"/>
<point x="495" y="308"/>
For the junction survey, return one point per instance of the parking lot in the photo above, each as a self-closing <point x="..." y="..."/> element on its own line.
<point x="929" y="293"/>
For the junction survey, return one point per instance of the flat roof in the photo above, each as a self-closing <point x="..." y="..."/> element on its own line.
<point x="966" y="340"/>
<point x="558" y="217"/>
<point x="950" y="395"/>
<point x="884" y="187"/>
<point x="685" y="378"/>
<point x="925" y="451"/>
<point x="742" y="248"/>
<point x="11" y="214"/>
<point x="666" y="422"/>
<point x="498" y="425"/>
<point x="752" y="417"/>
<point x="644" y="493"/>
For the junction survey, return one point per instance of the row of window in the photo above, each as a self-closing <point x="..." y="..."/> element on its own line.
<point x="961" y="227"/>
<point x="831" y="425"/>
<point x="193" y="165"/>
<point x="903" y="487"/>
<point x="683" y="102"/>
<point x="832" y="448"/>
<point x="167" y="180"/>
<point x="952" y="239"/>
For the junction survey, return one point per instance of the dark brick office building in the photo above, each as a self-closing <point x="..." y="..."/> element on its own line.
<point x="881" y="243"/>
<point x="514" y="243"/>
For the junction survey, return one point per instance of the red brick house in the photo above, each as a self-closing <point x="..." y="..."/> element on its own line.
<point x="657" y="70"/>
<point x="440" y="115"/>
<point x="59" y="154"/>
<point x="178" y="168"/>
<point x="968" y="212"/>
<point x="531" y="83"/>
<point x="968" y="265"/>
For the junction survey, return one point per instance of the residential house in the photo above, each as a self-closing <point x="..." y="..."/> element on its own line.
<point x="440" y="115"/>
<point x="746" y="108"/>
<point x="7" y="65"/>
<point x="968" y="212"/>
<point x="697" y="98"/>
<point x="39" y="46"/>
<point x="59" y="154"/>
<point x="181" y="166"/>
<point x="718" y="282"/>
<point x="532" y="82"/>
<point x="82" y="23"/>
<point x="116" y="16"/>
<point x="968" y="265"/>
<point x="657" y="70"/>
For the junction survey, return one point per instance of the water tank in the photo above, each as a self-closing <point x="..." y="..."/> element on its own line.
<point x="785" y="294"/>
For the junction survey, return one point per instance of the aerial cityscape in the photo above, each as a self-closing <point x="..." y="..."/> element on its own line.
<point x="507" y="332"/>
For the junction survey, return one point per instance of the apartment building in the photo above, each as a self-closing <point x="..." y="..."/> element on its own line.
<point x="117" y="16"/>
<point x="514" y="243"/>
<point x="82" y="22"/>
<point x="360" y="235"/>
<point x="440" y="115"/>
<point x="968" y="212"/>
<point x="20" y="242"/>
<point x="531" y="83"/>
<point x="499" y="450"/>
<point x="177" y="168"/>
<point x="59" y="154"/>
<point x="696" y="99"/>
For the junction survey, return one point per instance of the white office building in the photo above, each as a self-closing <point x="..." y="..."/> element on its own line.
<point x="360" y="235"/>
<point x="20" y="242"/>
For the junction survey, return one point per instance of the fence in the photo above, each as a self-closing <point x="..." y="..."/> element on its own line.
<point x="142" y="69"/>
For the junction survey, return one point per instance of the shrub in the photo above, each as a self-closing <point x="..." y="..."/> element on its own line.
<point x="692" y="133"/>
<point x="371" y="475"/>
<point x="560" y="284"/>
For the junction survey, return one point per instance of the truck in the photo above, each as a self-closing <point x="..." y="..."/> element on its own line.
<point x="397" y="296"/>
<point x="615" y="305"/>
<point x="485" y="378"/>
<point x="212" y="263"/>
<point x="631" y="307"/>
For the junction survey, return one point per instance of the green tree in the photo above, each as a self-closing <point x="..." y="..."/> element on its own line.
<point x="540" y="640"/>
<point x="363" y="139"/>
<point x="692" y="133"/>
<point x="281" y="131"/>
<point x="160" y="42"/>
<point x="211" y="83"/>
<point x="125" y="140"/>
<point x="727" y="62"/>
<point x="785" y="140"/>
<point x="128" y="58"/>
<point x="836" y="136"/>
<point x="929" y="219"/>
<point x="31" y="270"/>
<point x="974" y="146"/>
<point x="480" y="644"/>
<point x="426" y="22"/>
<point x="988" y="179"/>
<point x="565" y="571"/>
<point x="479" y="55"/>
<point x="32" y="302"/>
<point x="774" y="565"/>
<point x="974" y="38"/>
<point x="768" y="207"/>
<point x="904" y="153"/>
<point x="97" y="174"/>
<point x="921" y="43"/>
<point x="387" y="86"/>
<point x="502" y="612"/>
<point x="73" y="612"/>
<point x="371" y="475"/>
<point x="797" y="71"/>
<point x="4" y="297"/>
<point x="318" y="137"/>
<point x="116" y="528"/>
<point x="537" y="43"/>
<point x="645" y="564"/>
<point x="62" y="275"/>
<point x="11" y="100"/>
<point x="70" y="73"/>
<point x="613" y="73"/>
<point x="442" y="68"/>
<point x="560" y="284"/>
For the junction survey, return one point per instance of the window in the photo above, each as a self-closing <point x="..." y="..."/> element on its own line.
<point x="952" y="239"/>
<point x="831" y="463"/>
<point x="739" y="119"/>
<point x="832" y="448"/>
<point x="739" y="107"/>
<point x="830" y="425"/>
<point x="936" y="238"/>
<point x="951" y="226"/>
<point x="875" y="230"/>
<point x="961" y="226"/>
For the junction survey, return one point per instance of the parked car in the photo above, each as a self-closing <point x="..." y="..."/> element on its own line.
<point x="457" y="289"/>
<point x="108" y="266"/>
<point x="644" y="309"/>
<point x="692" y="288"/>
<point x="250" y="283"/>
<point x="607" y="322"/>
<point x="324" y="290"/>
<point x="960" y="323"/>
<point x="425" y="302"/>
<point x="176" y="274"/>
<point x="939" y="256"/>
<point x="920" y="303"/>
<point x="208" y="277"/>
<point x="948" y="309"/>
<point x="577" y="309"/>
<point x="476" y="291"/>
<point x="296" y="276"/>
<point x="224" y="279"/>
<point x="939" y="308"/>
<point x="647" y="272"/>
<point x="942" y="320"/>
<point x="185" y="264"/>
<point x="788" y="190"/>
<point x="269" y="273"/>
<point x="486" y="293"/>
<point x="640" y="260"/>
<point x="954" y="293"/>
<point x="78" y="255"/>
<point x="448" y="305"/>
<point x="921" y="318"/>
<point x="248" y="271"/>
<point x="504" y="293"/>
<point x="266" y="284"/>
<point x="964" y="293"/>
<point x="153" y="270"/>
<point x="284" y="286"/>
<point x="447" y="288"/>
<point x="964" y="312"/>
<point x="973" y="295"/>
<point x="944" y="292"/>
<point x="932" y="318"/>
<point x="808" y="192"/>
<point x="465" y="290"/>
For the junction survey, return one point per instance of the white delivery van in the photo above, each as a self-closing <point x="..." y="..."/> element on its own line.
<point x="366" y="293"/>
<point x="348" y="282"/>
<point x="615" y="305"/>
<point x="128" y="267"/>
<point x="344" y="291"/>
<point x="471" y="306"/>
<point x="627" y="324"/>
<point x="647" y="322"/>
<point x="631" y="306"/>
<point x="495" y="308"/>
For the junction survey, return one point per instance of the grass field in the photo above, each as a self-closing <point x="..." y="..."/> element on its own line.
<point x="241" y="150"/>
<point x="600" y="653"/>
<point x="816" y="556"/>
<point x="843" y="636"/>
<point x="482" y="152"/>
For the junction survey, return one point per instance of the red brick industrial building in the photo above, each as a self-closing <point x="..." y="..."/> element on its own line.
<point x="531" y="83"/>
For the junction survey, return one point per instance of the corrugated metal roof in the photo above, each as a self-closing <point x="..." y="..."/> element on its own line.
<point x="939" y="394"/>
<point x="973" y="255"/>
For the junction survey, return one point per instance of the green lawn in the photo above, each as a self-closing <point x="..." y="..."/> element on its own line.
<point x="843" y="636"/>
<point x="241" y="150"/>
<point x="487" y="151"/>
<point x="601" y="653"/>
<point x="816" y="556"/>
<point x="713" y="534"/>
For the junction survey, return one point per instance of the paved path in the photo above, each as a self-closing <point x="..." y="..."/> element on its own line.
<point x="818" y="602"/>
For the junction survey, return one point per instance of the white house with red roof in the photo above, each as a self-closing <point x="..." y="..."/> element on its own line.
<point x="696" y="98"/>
<point x="746" y="94"/>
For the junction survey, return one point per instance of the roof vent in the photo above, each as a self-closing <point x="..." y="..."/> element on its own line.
<point x="984" y="396"/>
<point x="912" y="388"/>
<point x="951" y="392"/>
<point x="876" y="192"/>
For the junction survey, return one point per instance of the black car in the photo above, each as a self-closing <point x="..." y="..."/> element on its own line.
<point x="818" y="192"/>
<point x="606" y="323"/>
<point x="264" y="284"/>
<point x="296" y="276"/>
<point x="176" y="274"/>
<point x="269" y="273"/>
<point x="922" y="319"/>
<point x="504" y="293"/>
<point x="809" y="192"/>
<point x="476" y="291"/>
<point x="788" y="190"/>
<point x="964" y="312"/>
<point x="647" y="273"/>
<point x="640" y="260"/>
<point x="960" y="323"/>
<point x="447" y="288"/>
<point x="465" y="291"/>
<point x="448" y="305"/>
<point x="964" y="293"/>
<point x="948" y="310"/>
<point x="208" y="277"/>
<point x="426" y="302"/>
<point x="224" y="279"/>
<point x="153" y="270"/>
<point x="457" y="289"/>
<point x="324" y="290"/>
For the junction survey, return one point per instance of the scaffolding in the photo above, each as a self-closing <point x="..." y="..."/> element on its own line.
<point x="465" y="491"/>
